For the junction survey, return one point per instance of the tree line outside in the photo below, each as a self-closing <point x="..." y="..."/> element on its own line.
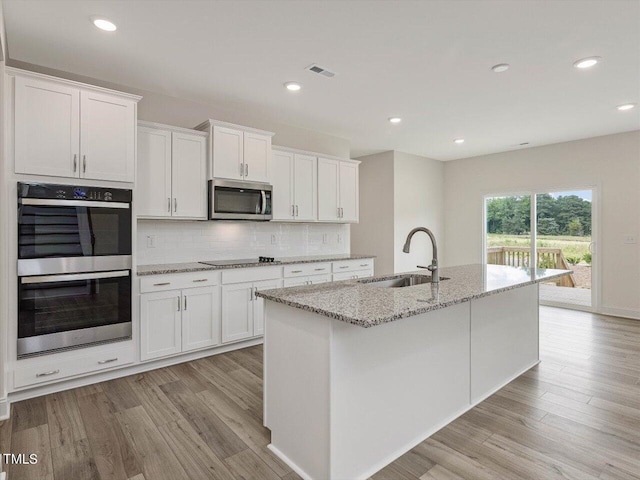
<point x="565" y="215"/>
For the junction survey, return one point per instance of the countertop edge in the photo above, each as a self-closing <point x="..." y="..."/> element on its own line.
<point x="382" y="320"/>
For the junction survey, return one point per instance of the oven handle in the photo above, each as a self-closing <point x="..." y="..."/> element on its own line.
<point x="72" y="203"/>
<point x="264" y="202"/>
<point x="72" y="277"/>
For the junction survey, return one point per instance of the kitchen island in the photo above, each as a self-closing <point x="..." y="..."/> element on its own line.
<point x="359" y="372"/>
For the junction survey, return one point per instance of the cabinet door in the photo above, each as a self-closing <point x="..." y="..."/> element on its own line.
<point x="282" y="181"/>
<point x="189" y="175"/>
<point x="328" y="174"/>
<point x="200" y="317"/>
<point x="257" y="157"/>
<point x="107" y="137"/>
<point x="305" y="186"/>
<point x="47" y="128"/>
<point x="237" y="312"/>
<point x="228" y="146"/>
<point x="316" y="279"/>
<point x="153" y="186"/>
<point x="258" y="304"/>
<point x="348" y="186"/>
<point x="295" y="282"/>
<point x="160" y="324"/>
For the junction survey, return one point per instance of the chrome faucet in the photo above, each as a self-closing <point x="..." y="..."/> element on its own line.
<point x="433" y="268"/>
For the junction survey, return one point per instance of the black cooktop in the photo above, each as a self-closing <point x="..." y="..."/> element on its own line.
<point x="244" y="261"/>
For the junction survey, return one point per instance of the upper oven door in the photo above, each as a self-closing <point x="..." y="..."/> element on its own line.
<point x="49" y="228"/>
<point x="229" y="200"/>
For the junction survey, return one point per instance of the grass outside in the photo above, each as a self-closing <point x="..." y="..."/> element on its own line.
<point x="570" y="246"/>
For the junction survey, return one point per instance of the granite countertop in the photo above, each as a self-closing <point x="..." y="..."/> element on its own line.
<point x="159" y="269"/>
<point x="367" y="305"/>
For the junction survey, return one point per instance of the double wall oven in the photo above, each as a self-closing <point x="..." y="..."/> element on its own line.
<point x="74" y="266"/>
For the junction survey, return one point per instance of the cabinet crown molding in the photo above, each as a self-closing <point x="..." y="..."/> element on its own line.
<point x="278" y="148"/>
<point x="162" y="126"/>
<point x="207" y="124"/>
<point x="12" y="71"/>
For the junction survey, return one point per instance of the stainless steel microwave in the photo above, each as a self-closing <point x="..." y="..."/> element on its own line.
<point x="233" y="200"/>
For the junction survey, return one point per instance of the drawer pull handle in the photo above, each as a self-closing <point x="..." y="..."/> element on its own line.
<point x="102" y="362"/>
<point x="200" y="280"/>
<point x="296" y="271"/>
<point x="320" y="269"/>
<point x="344" y="266"/>
<point x="161" y="284"/>
<point x="46" y="374"/>
<point x="364" y="264"/>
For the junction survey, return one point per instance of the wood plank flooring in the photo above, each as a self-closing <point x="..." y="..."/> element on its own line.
<point x="575" y="416"/>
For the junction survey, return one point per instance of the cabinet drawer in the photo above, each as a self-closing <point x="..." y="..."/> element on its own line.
<point x="304" y="269"/>
<point x="42" y="371"/>
<point x="176" y="281"/>
<point x="352" y="275"/>
<point x="352" y="265"/>
<point x="240" y="275"/>
<point x="308" y="280"/>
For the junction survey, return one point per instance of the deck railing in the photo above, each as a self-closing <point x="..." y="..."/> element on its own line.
<point x="521" y="257"/>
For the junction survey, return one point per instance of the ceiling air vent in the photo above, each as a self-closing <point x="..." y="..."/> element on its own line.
<point x="320" y="70"/>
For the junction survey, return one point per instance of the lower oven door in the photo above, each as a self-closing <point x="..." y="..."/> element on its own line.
<point x="70" y="310"/>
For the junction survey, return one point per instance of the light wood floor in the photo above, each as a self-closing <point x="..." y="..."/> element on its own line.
<point x="575" y="416"/>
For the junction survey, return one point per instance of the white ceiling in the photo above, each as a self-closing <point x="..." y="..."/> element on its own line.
<point x="426" y="61"/>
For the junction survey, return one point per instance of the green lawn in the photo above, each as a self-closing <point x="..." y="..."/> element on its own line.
<point x="571" y="246"/>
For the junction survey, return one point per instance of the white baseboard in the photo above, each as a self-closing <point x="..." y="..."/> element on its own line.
<point x="90" y="379"/>
<point x="288" y="461"/>
<point x="621" y="312"/>
<point x="4" y="411"/>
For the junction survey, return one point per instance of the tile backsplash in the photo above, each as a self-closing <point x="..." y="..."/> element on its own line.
<point x="186" y="241"/>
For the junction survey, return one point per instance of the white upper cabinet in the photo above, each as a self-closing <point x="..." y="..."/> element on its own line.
<point x="237" y="152"/>
<point x="305" y="187"/>
<point x="282" y="181"/>
<point x="328" y="189"/>
<point x="349" y="192"/>
<point x="257" y="157"/>
<point x="228" y="147"/>
<point x="172" y="172"/>
<point x="68" y="129"/>
<point x="107" y="137"/>
<point x="153" y="186"/>
<point x="189" y="175"/>
<point x="294" y="178"/>
<point x="46" y="128"/>
<point x="338" y="188"/>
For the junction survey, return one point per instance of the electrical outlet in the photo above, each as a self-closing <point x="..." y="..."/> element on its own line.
<point x="274" y="239"/>
<point x="151" y="241"/>
<point x="339" y="238"/>
<point x="325" y="238"/>
<point x="630" y="239"/>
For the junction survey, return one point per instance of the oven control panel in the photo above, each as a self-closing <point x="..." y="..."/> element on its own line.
<point x="71" y="192"/>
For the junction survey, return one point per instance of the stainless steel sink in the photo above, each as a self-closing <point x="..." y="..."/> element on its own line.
<point x="401" y="281"/>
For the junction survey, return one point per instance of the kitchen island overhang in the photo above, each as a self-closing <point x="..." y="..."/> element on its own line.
<point x="343" y="401"/>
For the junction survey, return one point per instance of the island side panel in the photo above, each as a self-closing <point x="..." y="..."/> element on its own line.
<point x="504" y="339"/>
<point x="296" y="387"/>
<point x="393" y="385"/>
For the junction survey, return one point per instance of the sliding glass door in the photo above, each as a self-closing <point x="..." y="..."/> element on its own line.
<point x="554" y="228"/>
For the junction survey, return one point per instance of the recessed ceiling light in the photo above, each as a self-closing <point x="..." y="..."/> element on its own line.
<point x="104" y="24"/>
<point x="626" y="106"/>
<point x="395" y="120"/>
<point x="292" y="86"/>
<point x="459" y="141"/>
<point x="501" y="67"/>
<point x="586" y="62"/>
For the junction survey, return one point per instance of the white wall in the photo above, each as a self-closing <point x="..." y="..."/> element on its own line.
<point x="418" y="187"/>
<point x="374" y="235"/>
<point x="398" y="192"/>
<point x="611" y="163"/>
<point x="188" y="241"/>
<point x="4" y="277"/>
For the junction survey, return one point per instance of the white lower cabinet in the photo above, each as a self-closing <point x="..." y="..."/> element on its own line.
<point x="242" y="311"/>
<point x="308" y="280"/>
<point x="176" y="321"/>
